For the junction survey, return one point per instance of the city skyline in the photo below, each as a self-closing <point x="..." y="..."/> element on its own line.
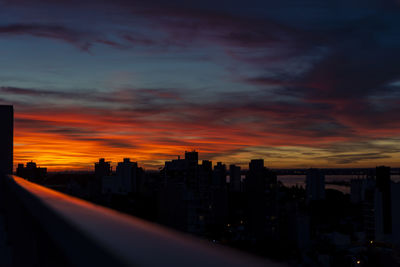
<point x="300" y="84"/>
<point x="361" y="171"/>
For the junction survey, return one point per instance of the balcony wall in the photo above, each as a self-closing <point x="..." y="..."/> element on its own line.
<point x="48" y="228"/>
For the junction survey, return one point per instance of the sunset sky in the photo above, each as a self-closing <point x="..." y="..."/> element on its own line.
<point x="300" y="83"/>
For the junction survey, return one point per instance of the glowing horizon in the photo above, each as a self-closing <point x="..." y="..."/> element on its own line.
<point x="58" y="150"/>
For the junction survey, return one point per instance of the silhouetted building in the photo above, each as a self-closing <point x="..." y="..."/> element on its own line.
<point x="192" y="157"/>
<point x="395" y="188"/>
<point x="261" y="204"/>
<point x="383" y="185"/>
<point x="6" y="139"/>
<point x="362" y="192"/>
<point x="368" y="213"/>
<point x="206" y="165"/>
<point x="219" y="175"/>
<point x="358" y="189"/>
<point x="193" y="195"/>
<point x="217" y="202"/>
<point x="205" y="175"/>
<point x="380" y="202"/>
<point x="102" y="168"/>
<point x="127" y="172"/>
<point x="235" y="178"/>
<point x="180" y="203"/>
<point x="294" y="226"/>
<point x="259" y="178"/>
<point x="180" y="208"/>
<point x="31" y="172"/>
<point x="256" y="165"/>
<point x="183" y="170"/>
<point x="128" y="178"/>
<point x="385" y="222"/>
<point x="315" y="185"/>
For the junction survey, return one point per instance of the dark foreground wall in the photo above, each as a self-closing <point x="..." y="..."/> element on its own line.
<point x="6" y="139"/>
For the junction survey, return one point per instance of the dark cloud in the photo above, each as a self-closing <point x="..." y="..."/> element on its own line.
<point x="177" y="24"/>
<point x="81" y="39"/>
<point x="139" y="97"/>
<point x="37" y="92"/>
<point x="48" y="31"/>
<point x="346" y="83"/>
<point x="110" y="142"/>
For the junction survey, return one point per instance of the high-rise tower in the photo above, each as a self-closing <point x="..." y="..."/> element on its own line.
<point x="6" y="139"/>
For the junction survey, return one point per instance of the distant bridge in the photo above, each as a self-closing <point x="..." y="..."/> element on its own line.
<point x="335" y="171"/>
